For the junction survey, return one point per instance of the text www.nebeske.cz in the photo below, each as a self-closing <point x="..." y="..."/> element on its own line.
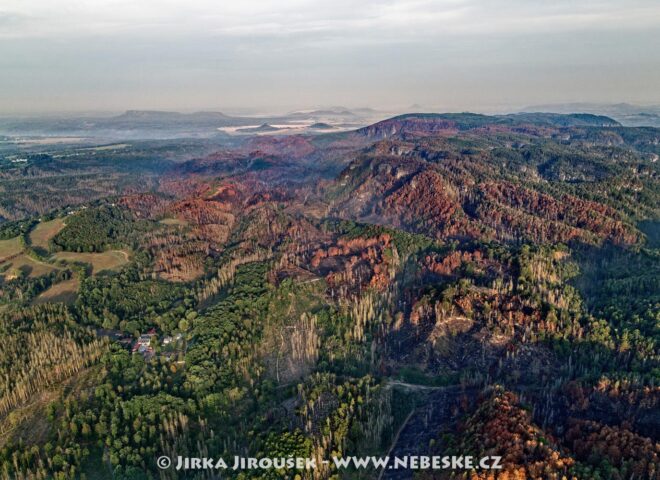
<point x="413" y="462"/>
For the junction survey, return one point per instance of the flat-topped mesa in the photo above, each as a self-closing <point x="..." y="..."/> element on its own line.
<point x="428" y="124"/>
<point x="419" y="125"/>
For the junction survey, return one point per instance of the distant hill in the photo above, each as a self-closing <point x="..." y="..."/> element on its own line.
<point x="335" y="113"/>
<point x="131" y="124"/>
<point x="625" y="113"/>
<point x="155" y="115"/>
<point x="563" y="120"/>
<point x="159" y="119"/>
<point x="321" y="126"/>
<point x="421" y="124"/>
<point x="263" y="128"/>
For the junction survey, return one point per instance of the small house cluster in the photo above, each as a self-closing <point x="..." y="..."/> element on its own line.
<point x="143" y="344"/>
<point x="146" y="343"/>
<point x="169" y="340"/>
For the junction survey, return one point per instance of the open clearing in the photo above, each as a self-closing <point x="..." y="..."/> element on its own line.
<point x="34" y="268"/>
<point x="44" y="231"/>
<point x="65" y="292"/>
<point x="9" y="248"/>
<point x="12" y="260"/>
<point x="173" y="221"/>
<point x="99" y="261"/>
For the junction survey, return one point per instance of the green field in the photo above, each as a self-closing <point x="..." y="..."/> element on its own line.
<point x="13" y="260"/>
<point x="173" y="221"/>
<point x="65" y="292"/>
<point x="44" y="231"/>
<point x="9" y="248"/>
<point x="33" y="268"/>
<point x="109" y="260"/>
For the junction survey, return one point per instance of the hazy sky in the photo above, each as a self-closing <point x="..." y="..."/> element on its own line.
<point x="69" y="55"/>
